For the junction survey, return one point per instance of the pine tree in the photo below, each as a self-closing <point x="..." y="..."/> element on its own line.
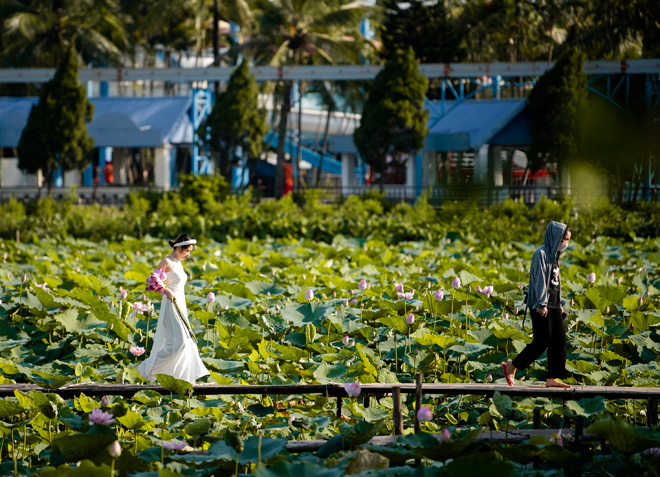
<point x="56" y="131"/>
<point x="237" y="121"/>
<point x="394" y="121"/>
<point x="556" y="107"/>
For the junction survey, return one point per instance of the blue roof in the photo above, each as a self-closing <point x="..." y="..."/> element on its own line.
<point x="469" y="125"/>
<point x="118" y="121"/>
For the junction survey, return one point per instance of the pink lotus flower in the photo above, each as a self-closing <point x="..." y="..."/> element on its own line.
<point x="304" y="277"/>
<point x="210" y="297"/>
<point x="398" y="287"/>
<point x="136" y="350"/>
<point x="346" y="340"/>
<point x="407" y="295"/>
<point x="353" y="389"/>
<point x="424" y="414"/>
<point x="97" y="416"/>
<point x="410" y="319"/>
<point x="354" y="301"/>
<point x="155" y="281"/>
<point x="591" y="278"/>
<point x="174" y="445"/>
<point x="445" y="434"/>
<point x="43" y="285"/>
<point x="439" y="295"/>
<point x="456" y="283"/>
<point x="115" y="450"/>
<point x="123" y="293"/>
<point x="138" y="307"/>
<point x="362" y="285"/>
<point x="505" y="315"/>
<point x="487" y="290"/>
<point x="309" y="294"/>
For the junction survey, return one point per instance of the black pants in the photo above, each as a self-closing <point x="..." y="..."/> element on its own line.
<point x="548" y="334"/>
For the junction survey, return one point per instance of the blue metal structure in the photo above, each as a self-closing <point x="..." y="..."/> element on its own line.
<point x="202" y="105"/>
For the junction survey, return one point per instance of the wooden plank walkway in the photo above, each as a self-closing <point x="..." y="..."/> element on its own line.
<point x="337" y="390"/>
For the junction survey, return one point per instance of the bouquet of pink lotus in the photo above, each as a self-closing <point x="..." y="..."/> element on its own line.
<point x="155" y="281"/>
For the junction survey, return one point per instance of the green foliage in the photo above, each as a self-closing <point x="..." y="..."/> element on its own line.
<point x="556" y="106"/>
<point x="237" y="125"/>
<point x="394" y="118"/>
<point x="424" y="27"/>
<point x="56" y="131"/>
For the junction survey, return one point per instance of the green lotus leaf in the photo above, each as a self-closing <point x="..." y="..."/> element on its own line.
<point x="643" y="321"/>
<point x="132" y="420"/>
<point x="232" y="302"/>
<point x="298" y="469"/>
<point x="198" y="428"/>
<point x="300" y="315"/>
<point x="173" y="385"/>
<point x="504" y="406"/>
<point x="270" y="448"/>
<point x="73" y="321"/>
<point x="326" y="372"/>
<point x="79" y="446"/>
<point x="137" y="276"/>
<point x="84" y="469"/>
<point x="624" y="437"/>
<point x="9" y="409"/>
<point x="50" y="381"/>
<point x="148" y="398"/>
<point x="478" y="465"/>
<point x="263" y="288"/>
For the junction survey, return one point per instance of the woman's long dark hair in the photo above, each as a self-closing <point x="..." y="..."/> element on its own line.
<point x="179" y="239"/>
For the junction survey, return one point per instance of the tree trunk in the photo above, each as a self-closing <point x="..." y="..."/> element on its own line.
<point x="284" y="116"/>
<point x="324" y="147"/>
<point x="301" y="87"/>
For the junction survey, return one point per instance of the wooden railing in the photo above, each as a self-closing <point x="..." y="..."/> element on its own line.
<point x="336" y="390"/>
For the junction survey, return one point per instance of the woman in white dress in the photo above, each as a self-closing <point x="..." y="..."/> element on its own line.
<point x="174" y="351"/>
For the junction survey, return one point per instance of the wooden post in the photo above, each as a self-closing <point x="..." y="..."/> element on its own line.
<point x="652" y="411"/>
<point x="396" y="411"/>
<point x="536" y="424"/>
<point x="339" y="400"/>
<point x="418" y="401"/>
<point x="537" y="418"/>
<point x="579" y="427"/>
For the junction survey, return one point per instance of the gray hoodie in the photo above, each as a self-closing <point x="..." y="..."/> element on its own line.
<point x="541" y="267"/>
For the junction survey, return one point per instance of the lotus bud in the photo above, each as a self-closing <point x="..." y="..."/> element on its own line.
<point x="505" y="315"/>
<point x="309" y="294"/>
<point x="304" y="277"/>
<point x="104" y="401"/>
<point x="115" y="450"/>
<point x="353" y="389"/>
<point x="456" y="283"/>
<point x="424" y="414"/>
<point x="362" y="285"/>
<point x="489" y="378"/>
<point x="445" y="434"/>
<point x="210" y="297"/>
<point x="346" y="340"/>
<point x="410" y="319"/>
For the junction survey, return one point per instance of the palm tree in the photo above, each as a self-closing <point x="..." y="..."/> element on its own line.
<point x="296" y="32"/>
<point x="37" y="32"/>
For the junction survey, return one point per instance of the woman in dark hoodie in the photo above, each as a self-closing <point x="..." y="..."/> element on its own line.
<point x="544" y="301"/>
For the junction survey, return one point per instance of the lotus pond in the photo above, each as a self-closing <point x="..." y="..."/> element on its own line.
<point x="297" y="311"/>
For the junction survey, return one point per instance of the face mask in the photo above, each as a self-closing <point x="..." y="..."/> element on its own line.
<point x="562" y="246"/>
